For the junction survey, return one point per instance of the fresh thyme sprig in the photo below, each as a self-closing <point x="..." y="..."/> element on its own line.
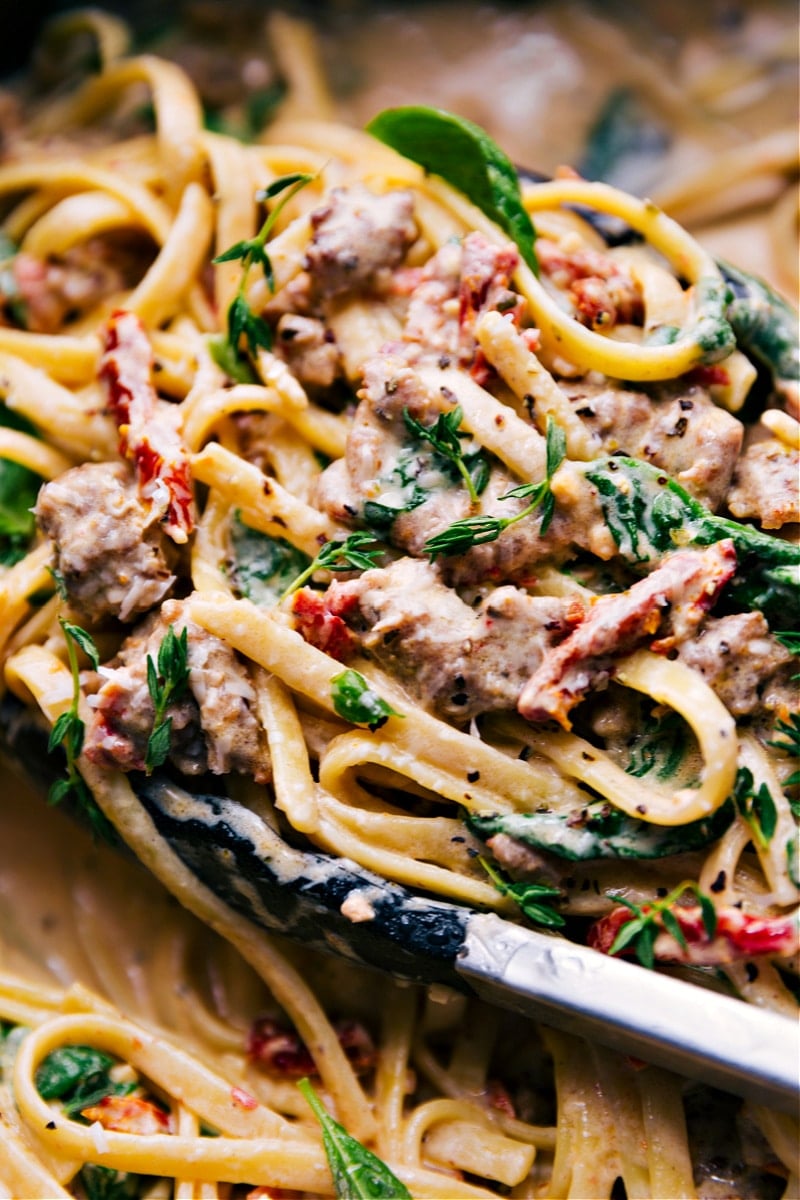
<point x="344" y="555"/>
<point x="756" y="806"/>
<point x="534" y="899"/>
<point x="791" y="746"/>
<point x="166" y="682"/>
<point x="242" y="321"/>
<point x="446" y="440"/>
<point x="68" y="731"/>
<point x="640" y="933"/>
<point x="791" y="640"/>
<point x="475" y="531"/>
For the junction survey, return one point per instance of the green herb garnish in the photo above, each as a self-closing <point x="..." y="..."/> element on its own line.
<point x="19" y="488"/>
<point x="78" y="1076"/>
<point x="446" y="440"/>
<point x="242" y="321"/>
<point x="764" y="324"/>
<point x="475" y="531"/>
<point x="166" y="682"/>
<point x="790" y="745"/>
<point x="533" y="899"/>
<point x="358" y="1174"/>
<point x="756" y="806"/>
<point x="263" y="566"/>
<point x="344" y="555"/>
<point x="104" y="1183"/>
<point x="68" y="731"/>
<point x="790" y="639"/>
<point x="640" y="933"/>
<point x="355" y="701"/>
<point x="465" y="156"/>
<point x="650" y="515"/>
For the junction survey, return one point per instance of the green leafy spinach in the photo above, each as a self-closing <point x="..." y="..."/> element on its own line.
<point x="465" y="156"/>
<point x="358" y="1174"/>
<point x="354" y="700"/>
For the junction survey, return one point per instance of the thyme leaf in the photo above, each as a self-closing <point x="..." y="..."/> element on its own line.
<point x="534" y="899"/>
<point x="791" y="746"/>
<point x="476" y="531"/>
<point x="339" y="555"/>
<point x="243" y="323"/>
<point x="756" y="806"/>
<point x="167" y="680"/>
<point x="446" y="440"/>
<point x="640" y="932"/>
<point x="68" y="732"/>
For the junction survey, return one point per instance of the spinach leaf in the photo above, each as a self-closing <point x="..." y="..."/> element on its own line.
<point x="355" y="701"/>
<point x="464" y="155"/>
<point x="104" y="1183"/>
<point x="358" y="1174"/>
<point x="600" y="831"/>
<point x="421" y="469"/>
<point x="764" y="324"/>
<point x="69" y="1069"/>
<point x="19" y="488"/>
<point x="263" y="566"/>
<point x="661" y="748"/>
<point x="649" y="515"/>
<point x="78" y="1076"/>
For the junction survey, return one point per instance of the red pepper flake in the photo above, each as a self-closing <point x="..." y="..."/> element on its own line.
<point x="243" y="1099"/>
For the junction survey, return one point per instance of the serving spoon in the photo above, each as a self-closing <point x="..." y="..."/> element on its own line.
<point x="334" y="905"/>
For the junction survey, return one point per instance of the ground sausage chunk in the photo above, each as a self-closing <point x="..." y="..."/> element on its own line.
<point x="745" y="665"/>
<point x="111" y="553"/>
<point x="356" y="235"/>
<point x="686" y="435"/>
<point x="213" y="723"/>
<point x="309" y="350"/>
<point x="766" y="484"/>
<point x="460" y="660"/>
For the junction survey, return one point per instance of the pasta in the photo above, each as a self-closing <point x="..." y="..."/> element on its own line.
<point x="354" y="522"/>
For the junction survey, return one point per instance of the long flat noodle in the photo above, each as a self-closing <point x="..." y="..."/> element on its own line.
<point x="49" y="681"/>
<point x="22" y="1172"/>
<point x="263" y="503"/>
<point x="684" y="690"/>
<point x="234" y="191"/>
<point x="63" y="416"/>
<point x="18" y="584"/>
<point x="505" y="349"/>
<point x="254" y="1143"/>
<point x="179" y="115"/>
<point x="32" y="453"/>
<point x="417" y="736"/>
<point x="201" y="414"/>
<point x="567" y="337"/>
<point x="76" y="219"/>
<point x="496" y="426"/>
<point x="75" y="175"/>
<point x="174" y="273"/>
